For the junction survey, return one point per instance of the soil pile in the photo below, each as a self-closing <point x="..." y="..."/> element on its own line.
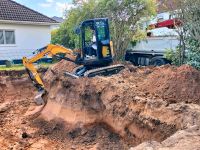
<point x="173" y="84"/>
<point x="57" y="70"/>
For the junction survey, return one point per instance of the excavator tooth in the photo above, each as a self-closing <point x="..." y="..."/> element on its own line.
<point x="68" y="74"/>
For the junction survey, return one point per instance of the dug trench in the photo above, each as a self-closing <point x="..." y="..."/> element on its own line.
<point x="122" y="111"/>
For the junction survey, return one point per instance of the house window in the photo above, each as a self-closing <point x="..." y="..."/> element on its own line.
<point x="1" y="37"/>
<point x="7" y="37"/>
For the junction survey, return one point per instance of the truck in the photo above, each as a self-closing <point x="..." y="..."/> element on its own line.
<point x="161" y="36"/>
<point x="151" y="51"/>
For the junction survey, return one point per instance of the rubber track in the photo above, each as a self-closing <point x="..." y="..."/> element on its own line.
<point x="100" y="71"/>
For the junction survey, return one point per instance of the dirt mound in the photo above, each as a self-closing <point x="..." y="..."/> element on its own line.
<point x="57" y="70"/>
<point x="140" y="104"/>
<point x="173" y="84"/>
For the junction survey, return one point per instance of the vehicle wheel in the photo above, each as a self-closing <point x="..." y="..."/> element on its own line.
<point x="157" y="61"/>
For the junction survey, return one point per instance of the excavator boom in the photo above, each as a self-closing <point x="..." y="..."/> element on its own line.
<point x="50" y="50"/>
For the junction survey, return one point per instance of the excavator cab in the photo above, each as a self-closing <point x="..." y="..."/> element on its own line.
<point x="96" y="45"/>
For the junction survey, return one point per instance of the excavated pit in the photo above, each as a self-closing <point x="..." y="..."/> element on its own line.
<point x="85" y="102"/>
<point x="155" y="106"/>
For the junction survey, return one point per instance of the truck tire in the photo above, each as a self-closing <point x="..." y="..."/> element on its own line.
<point x="158" y="61"/>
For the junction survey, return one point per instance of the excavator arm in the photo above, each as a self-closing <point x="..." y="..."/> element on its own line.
<point x="50" y="50"/>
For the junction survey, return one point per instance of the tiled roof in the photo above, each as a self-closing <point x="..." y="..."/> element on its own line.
<point x="12" y="11"/>
<point x="58" y="19"/>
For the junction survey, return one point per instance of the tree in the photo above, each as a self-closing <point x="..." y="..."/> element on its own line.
<point x="193" y="55"/>
<point x="124" y="16"/>
<point x="177" y="56"/>
<point x="66" y="35"/>
<point x="189" y="50"/>
<point x="191" y="23"/>
<point x="62" y="37"/>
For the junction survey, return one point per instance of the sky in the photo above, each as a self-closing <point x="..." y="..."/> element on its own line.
<point x="48" y="7"/>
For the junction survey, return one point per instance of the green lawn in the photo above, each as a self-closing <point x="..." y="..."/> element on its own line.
<point x="14" y="67"/>
<point x="21" y="67"/>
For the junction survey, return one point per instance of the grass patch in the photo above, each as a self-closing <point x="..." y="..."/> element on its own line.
<point x="13" y="67"/>
<point x="21" y="67"/>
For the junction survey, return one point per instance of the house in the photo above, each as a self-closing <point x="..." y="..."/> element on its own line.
<point x="60" y="20"/>
<point x="22" y="30"/>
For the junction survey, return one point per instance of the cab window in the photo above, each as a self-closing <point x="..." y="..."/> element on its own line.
<point x="101" y="29"/>
<point x="88" y="35"/>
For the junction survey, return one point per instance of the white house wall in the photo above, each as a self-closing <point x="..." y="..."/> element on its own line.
<point x="28" y="38"/>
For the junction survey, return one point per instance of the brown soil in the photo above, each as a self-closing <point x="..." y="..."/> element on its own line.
<point x="118" y="112"/>
<point x="13" y="73"/>
<point x="174" y="84"/>
<point x="18" y="73"/>
<point x="14" y="89"/>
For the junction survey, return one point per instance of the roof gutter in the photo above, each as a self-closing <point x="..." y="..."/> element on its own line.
<point x="27" y="22"/>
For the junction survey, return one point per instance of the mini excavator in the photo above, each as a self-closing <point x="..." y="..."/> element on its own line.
<point x="94" y="57"/>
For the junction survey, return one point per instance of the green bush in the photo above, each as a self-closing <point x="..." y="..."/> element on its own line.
<point x="193" y="55"/>
<point x="173" y="56"/>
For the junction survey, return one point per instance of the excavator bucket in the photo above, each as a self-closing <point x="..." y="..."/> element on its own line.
<point x="39" y="97"/>
<point x="39" y="100"/>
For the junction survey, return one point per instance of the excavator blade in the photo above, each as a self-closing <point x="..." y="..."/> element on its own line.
<point x="68" y="74"/>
